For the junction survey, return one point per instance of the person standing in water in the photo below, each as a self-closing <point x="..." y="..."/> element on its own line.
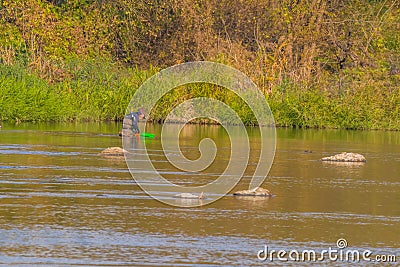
<point x="131" y="122"/>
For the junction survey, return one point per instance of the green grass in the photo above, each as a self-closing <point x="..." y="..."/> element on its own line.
<point x="368" y="105"/>
<point x="99" y="90"/>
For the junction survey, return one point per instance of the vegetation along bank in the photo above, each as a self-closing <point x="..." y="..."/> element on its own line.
<point x="333" y="64"/>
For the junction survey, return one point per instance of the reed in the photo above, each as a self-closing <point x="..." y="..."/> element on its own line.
<point x="100" y="90"/>
<point x="366" y="104"/>
<point x="97" y="91"/>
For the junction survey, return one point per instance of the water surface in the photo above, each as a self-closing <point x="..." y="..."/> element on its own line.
<point x="63" y="204"/>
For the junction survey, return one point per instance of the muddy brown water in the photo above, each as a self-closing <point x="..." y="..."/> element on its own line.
<point x="63" y="204"/>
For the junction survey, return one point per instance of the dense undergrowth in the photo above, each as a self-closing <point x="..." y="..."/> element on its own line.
<point x="323" y="64"/>
<point x="102" y="91"/>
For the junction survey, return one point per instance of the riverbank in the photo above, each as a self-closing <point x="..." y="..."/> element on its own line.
<point x="320" y="64"/>
<point x="61" y="197"/>
<point x="101" y="91"/>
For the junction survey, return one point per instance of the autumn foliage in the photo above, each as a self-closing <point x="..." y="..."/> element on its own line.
<point x="334" y="47"/>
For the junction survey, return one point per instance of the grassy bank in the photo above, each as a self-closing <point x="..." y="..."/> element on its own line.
<point x="369" y="100"/>
<point x="100" y="90"/>
<point x="325" y="64"/>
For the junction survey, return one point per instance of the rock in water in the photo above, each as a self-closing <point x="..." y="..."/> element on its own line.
<point x="113" y="152"/>
<point x="127" y="132"/>
<point x="190" y="196"/>
<point x="346" y="157"/>
<point x="257" y="192"/>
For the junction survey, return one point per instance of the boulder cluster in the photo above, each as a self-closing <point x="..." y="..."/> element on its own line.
<point x="346" y="157"/>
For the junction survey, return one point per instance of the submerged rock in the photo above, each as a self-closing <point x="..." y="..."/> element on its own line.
<point x="113" y="152"/>
<point x="128" y="133"/>
<point x="190" y="196"/>
<point x="257" y="192"/>
<point x="344" y="163"/>
<point x="346" y="157"/>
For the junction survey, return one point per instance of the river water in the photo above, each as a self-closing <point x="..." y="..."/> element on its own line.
<point x="63" y="204"/>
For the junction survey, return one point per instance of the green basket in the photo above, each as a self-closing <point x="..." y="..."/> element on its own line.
<point x="147" y="135"/>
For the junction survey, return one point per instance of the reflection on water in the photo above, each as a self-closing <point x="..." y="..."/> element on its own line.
<point x="60" y="203"/>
